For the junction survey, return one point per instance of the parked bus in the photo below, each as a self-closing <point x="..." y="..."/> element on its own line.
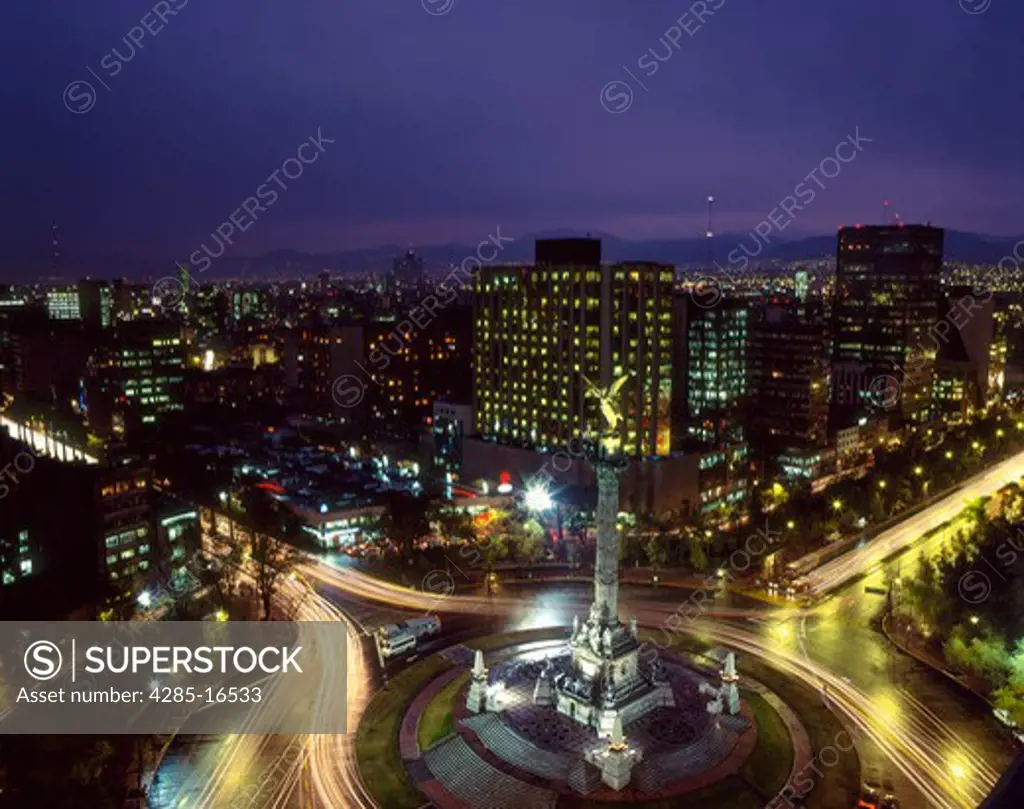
<point x="397" y="639"/>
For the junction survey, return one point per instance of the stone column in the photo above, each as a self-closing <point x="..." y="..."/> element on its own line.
<point x="606" y="572"/>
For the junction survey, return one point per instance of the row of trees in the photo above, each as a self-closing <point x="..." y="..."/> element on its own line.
<point x="972" y="594"/>
<point x="924" y="464"/>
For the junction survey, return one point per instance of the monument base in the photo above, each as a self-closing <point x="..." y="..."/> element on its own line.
<point x="606" y="682"/>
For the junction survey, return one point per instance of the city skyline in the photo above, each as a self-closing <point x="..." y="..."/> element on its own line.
<point x="427" y="152"/>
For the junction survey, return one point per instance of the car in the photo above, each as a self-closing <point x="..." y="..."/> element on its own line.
<point x="870" y="795"/>
<point x="890" y="801"/>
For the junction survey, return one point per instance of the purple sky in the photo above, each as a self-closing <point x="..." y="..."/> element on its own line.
<point x="445" y="125"/>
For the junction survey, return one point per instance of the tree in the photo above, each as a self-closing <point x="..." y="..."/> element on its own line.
<point x="530" y="541"/>
<point x="452" y="525"/>
<point x="270" y="558"/>
<point x="405" y="521"/>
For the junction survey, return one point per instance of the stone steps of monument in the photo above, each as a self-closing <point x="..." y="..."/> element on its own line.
<point x="584" y="777"/>
<point x="737" y="724"/>
<point x="509" y="746"/>
<point x="471" y="779"/>
<point x="703" y="754"/>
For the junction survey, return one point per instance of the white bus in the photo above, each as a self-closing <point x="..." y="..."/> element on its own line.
<point x="396" y="639"/>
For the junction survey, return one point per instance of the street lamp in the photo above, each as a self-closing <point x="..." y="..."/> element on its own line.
<point x="537" y="498"/>
<point x="837" y="504"/>
<point x="881" y="484"/>
<point x="975" y="619"/>
<point x="918" y="471"/>
<point x="790" y="525"/>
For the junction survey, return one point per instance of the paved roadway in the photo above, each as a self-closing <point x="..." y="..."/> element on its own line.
<point x="940" y="746"/>
<point x="901" y="536"/>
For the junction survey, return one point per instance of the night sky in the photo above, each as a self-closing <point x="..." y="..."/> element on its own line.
<point x="490" y="111"/>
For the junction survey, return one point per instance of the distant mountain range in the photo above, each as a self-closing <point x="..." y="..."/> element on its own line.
<point x="960" y="246"/>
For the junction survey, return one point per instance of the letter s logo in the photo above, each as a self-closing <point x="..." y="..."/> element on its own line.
<point x="43" y="660"/>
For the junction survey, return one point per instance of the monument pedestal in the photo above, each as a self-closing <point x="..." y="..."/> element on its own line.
<point x="476" y="700"/>
<point x="616" y="760"/>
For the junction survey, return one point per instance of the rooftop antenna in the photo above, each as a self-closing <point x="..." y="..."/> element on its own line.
<point x="885" y="212"/>
<point x="709" y="234"/>
<point x="56" y="246"/>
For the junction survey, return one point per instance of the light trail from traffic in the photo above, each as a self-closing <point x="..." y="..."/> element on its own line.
<point x="901" y="536"/>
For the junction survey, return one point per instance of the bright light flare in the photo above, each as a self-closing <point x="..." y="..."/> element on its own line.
<point x="538" y="498"/>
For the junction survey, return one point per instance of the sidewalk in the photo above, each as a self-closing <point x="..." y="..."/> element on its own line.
<point x="915" y="649"/>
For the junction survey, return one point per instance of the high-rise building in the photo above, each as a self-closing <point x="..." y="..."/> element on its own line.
<point x="711" y="369"/>
<point x="99" y="542"/>
<point x="63" y="304"/>
<point x="135" y="378"/>
<point x="801" y="285"/>
<point x="95" y="303"/>
<point x="965" y="343"/>
<point x="408" y="270"/>
<point x="249" y="303"/>
<point x="886" y="300"/>
<point x="541" y="331"/>
<point x="789" y="378"/>
<point x="385" y="372"/>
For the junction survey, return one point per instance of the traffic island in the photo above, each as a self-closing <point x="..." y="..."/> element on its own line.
<point x="419" y="739"/>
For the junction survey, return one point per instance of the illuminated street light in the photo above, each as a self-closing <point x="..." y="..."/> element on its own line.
<point x="882" y="484"/>
<point x="837" y="504"/>
<point x="538" y="498"/>
<point x="790" y="524"/>
<point x="949" y="454"/>
<point x="918" y="471"/>
<point x="975" y="619"/>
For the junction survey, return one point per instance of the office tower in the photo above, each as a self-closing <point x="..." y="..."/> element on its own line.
<point x="408" y="270"/>
<point x="63" y="304"/>
<point x="886" y="300"/>
<point x="801" y="285"/>
<point x="539" y="330"/>
<point x="44" y="359"/>
<point x="964" y="345"/>
<point x="711" y="369"/>
<point x="250" y="303"/>
<point x="95" y="303"/>
<point x="135" y="379"/>
<point x="98" y="542"/>
<point x="451" y="423"/>
<point x="385" y="372"/>
<point x="789" y="378"/>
